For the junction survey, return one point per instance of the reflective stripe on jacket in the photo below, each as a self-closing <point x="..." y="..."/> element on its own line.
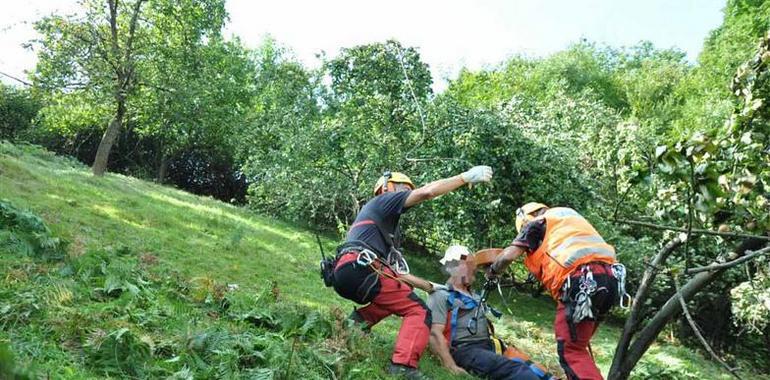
<point x="569" y="242"/>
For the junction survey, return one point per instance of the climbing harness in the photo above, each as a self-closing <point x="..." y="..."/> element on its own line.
<point x="468" y="303"/>
<point x="365" y="257"/>
<point x="394" y="259"/>
<point x="488" y="286"/>
<point x="579" y="305"/>
<point x="397" y="262"/>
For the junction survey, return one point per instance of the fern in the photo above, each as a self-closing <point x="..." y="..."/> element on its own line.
<point x="119" y="352"/>
<point x="26" y="233"/>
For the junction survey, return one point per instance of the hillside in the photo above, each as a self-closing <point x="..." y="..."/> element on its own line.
<point x="156" y="282"/>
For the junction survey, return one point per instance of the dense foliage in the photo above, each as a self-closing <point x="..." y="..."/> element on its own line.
<point x="131" y="321"/>
<point x="18" y="109"/>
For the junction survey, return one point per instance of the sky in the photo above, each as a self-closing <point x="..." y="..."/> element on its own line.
<point x="449" y="34"/>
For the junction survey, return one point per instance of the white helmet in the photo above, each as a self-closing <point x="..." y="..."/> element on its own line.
<point x="455" y="252"/>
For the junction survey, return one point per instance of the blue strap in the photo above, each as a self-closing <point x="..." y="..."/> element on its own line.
<point x="532" y="367"/>
<point x="468" y="303"/>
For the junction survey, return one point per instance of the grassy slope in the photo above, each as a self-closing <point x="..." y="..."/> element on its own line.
<point x="198" y="236"/>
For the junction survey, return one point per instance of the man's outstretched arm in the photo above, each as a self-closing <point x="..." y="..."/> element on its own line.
<point x="417" y="282"/>
<point x="434" y="189"/>
<point x="505" y="259"/>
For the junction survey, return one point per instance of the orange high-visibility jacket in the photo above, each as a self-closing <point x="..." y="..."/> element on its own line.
<point x="569" y="242"/>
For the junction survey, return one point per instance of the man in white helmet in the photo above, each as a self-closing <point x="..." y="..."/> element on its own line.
<point x="460" y="334"/>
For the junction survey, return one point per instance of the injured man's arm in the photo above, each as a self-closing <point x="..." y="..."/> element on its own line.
<point x="440" y="347"/>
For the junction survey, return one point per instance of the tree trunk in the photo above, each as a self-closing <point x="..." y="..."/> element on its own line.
<point x="163" y="168"/>
<point x="108" y="139"/>
<point x="651" y="330"/>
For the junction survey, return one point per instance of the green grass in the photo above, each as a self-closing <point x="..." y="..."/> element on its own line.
<point x="180" y="250"/>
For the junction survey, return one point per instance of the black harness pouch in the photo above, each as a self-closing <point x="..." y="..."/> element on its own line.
<point x="328" y="264"/>
<point x="353" y="281"/>
<point x="356" y="282"/>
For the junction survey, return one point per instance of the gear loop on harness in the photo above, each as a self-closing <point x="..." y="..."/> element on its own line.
<point x="365" y="257"/>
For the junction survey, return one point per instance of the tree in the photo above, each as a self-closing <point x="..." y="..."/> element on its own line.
<point x="725" y="174"/>
<point x="105" y="53"/>
<point x="201" y="101"/>
<point x="368" y="122"/>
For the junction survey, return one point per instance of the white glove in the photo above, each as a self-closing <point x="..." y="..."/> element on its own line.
<point x="434" y="286"/>
<point x="477" y="174"/>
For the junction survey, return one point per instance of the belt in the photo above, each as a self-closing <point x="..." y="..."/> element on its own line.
<point x="593" y="265"/>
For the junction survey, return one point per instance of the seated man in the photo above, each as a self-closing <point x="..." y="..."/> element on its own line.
<point x="460" y="334"/>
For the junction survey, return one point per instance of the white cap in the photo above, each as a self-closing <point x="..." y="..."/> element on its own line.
<point x="455" y="252"/>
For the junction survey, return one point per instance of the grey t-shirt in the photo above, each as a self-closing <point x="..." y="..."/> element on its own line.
<point x="439" y="308"/>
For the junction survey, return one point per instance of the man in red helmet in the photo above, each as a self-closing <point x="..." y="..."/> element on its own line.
<point x="371" y="270"/>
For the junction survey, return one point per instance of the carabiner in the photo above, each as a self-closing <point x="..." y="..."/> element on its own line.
<point x="401" y="266"/>
<point x="629" y="301"/>
<point x="365" y="258"/>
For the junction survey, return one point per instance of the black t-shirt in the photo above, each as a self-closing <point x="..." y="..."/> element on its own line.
<point x="531" y="236"/>
<point x="385" y="209"/>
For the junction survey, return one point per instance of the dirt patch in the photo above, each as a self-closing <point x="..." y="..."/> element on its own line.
<point x="148" y="259"/>
<point x="78" y="247"/>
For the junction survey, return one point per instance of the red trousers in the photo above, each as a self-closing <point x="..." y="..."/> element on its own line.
<point x="399" y="299"/>
<point x="574" y="356"/>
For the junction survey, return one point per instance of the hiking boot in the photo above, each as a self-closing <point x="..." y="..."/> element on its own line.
<point x="406" y="372"/>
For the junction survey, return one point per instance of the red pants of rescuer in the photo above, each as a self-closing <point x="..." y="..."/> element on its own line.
<point x="395" y="297"/>
<point x="575" y="356"/>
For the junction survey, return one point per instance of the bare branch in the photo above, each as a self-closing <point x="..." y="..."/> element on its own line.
<point x="435" y="159"/>
<point x="131" y="33"/>
<point x="749" y="256"/>
<point x="119" y="68"/>
<point x="99" y="46"/>
<point x="621" y="200"/>
<point x="159" y="88"/>
<point x="694" y="230"/>
<point x="113" y="19"/>
<point x="690" y="191"/>
<point x="16" y="79"/>
<point x="622" y="367"/>
<point x="697" y="332"/>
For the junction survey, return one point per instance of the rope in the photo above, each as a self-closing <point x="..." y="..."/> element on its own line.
<point x="411" y="90"/>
